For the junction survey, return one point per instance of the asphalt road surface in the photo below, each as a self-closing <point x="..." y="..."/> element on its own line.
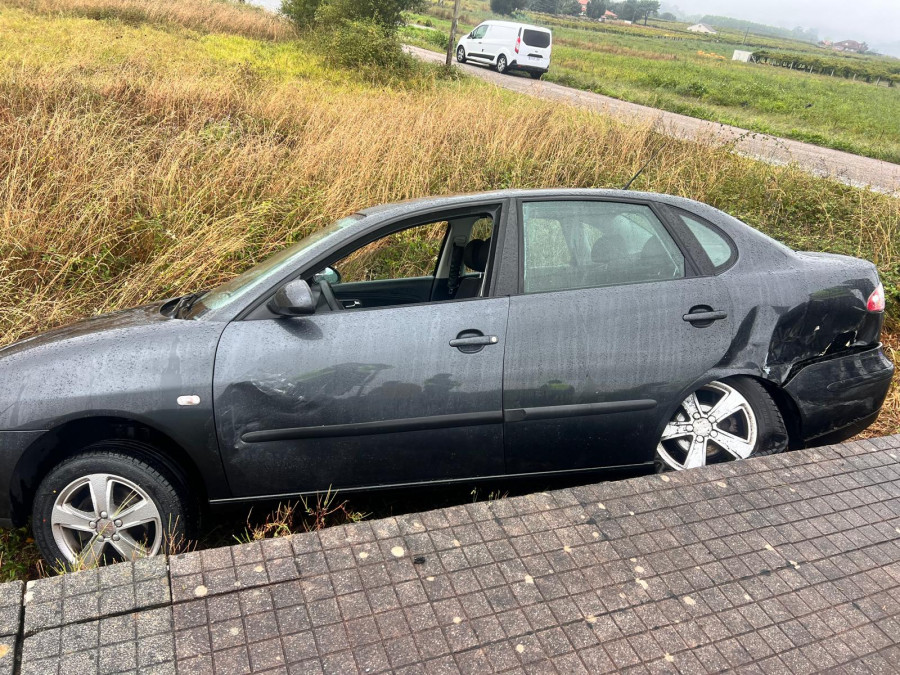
<point x="848" y="168"/>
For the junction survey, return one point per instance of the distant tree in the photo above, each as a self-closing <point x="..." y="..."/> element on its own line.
<point x="570" y="7"/>
<point x="626" y="11"/>
<point x="545" y="6"/>
<point x="645" y="9"/>
<point x="385" y="13"/>
<point x="668" y="16"/>
<point x="506" y="7"/>
<point x="596" y="8"/>
<point x="301" y="12"/>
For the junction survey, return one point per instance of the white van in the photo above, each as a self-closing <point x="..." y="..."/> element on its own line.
<point x="508" y="46"/>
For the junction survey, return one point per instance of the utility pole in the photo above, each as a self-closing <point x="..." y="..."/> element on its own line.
<point x="746" y="33"/>
<point x="452" y="43"/>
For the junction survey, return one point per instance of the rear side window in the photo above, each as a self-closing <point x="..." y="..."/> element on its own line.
<point x="585" y="244"/>
<point x="536" y="38"/>
<point x="713" y="244"/>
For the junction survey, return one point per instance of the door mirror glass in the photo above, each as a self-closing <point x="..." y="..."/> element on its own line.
<point x="329" y="274"/>
<point x="293" y="299"/>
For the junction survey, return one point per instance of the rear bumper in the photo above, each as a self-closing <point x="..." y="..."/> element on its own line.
<point x="515" y="65"/>
<point x="840" y="396"/>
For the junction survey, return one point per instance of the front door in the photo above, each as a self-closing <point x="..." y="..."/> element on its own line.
<point x="598" y="349"/>
<point x="389" y="386"/>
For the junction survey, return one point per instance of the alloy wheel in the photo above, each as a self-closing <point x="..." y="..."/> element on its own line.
<point x="714" y="424"/>
<point x="102" y="517"/>
<point x="501" y="64"/>
<point x="461" y="54"/>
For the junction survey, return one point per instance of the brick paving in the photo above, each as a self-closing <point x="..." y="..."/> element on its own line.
<point x="783" y="564"/>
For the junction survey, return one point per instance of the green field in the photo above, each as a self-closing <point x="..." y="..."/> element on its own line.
<point x="665" y="67"/>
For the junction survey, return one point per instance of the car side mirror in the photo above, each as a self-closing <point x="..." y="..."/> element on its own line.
<point x="329" y="274"/>
<point x="295" y="298"/>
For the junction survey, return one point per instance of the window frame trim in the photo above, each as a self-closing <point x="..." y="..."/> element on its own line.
<point x="691" y="269"/>
<point x="704" y="262"/>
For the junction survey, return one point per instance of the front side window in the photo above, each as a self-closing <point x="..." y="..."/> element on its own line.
<point x="479" y="32"/>
<point x="402" y="255"/>
<point x="584" y="244"/>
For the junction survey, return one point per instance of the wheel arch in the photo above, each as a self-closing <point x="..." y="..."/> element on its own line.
<point x="73" y="436"/>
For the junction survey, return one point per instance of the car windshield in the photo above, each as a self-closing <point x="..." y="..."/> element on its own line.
<point x="271" y="268"/>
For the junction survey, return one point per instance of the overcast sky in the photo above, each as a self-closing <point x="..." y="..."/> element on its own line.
<point x="872" y="21"/>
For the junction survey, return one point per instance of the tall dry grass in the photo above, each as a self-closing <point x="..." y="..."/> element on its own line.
<point x="209" y="16"/>
<point x="137" y="164"/>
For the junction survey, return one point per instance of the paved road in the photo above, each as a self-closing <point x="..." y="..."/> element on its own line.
<point x="843" y="166"/>
<point x="782" y="564"/>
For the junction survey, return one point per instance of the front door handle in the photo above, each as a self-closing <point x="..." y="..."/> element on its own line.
<point x="351" y="304"/>
<point x="705" y="317"/>
<point x="474" y="341"/>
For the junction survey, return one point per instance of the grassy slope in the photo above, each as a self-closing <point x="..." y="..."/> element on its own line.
<point x="140" y="160"/>
<point x="663" y="68"/>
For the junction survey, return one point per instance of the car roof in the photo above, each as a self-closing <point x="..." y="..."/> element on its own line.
<point x="461" y="200"/>
<point x="514" y="24"/>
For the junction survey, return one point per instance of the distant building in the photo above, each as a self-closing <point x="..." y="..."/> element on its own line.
<point x="741" y="55"/>
<point x="701" y="28"/>
<point x="850" y="46"/>
<point x="609" y="16"/>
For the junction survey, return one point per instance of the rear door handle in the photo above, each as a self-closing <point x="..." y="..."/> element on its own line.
<point x="705" y="317"/>
<point x="474" y="341"/>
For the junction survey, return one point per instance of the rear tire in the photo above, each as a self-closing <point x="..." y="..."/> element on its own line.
<point x="113" y="502"/>
<point x="535" y="75"/>
<point x="460" y="54"/>
<point x="720" y="422"/>
<point x="502" y="64"/>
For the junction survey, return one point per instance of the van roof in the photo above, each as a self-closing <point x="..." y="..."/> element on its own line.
<point x="515" y="24"/>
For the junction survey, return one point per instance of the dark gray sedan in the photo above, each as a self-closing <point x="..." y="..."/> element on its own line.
<point x="440" y="340"/>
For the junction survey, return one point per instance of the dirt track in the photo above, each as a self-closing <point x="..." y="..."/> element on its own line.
<point x="848" y="168"/>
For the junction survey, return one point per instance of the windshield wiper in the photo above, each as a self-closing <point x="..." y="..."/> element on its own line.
<point x="184" y="304"/>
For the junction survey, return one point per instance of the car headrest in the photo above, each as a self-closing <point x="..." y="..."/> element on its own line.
<point x="475" y="255"/>
<point x="607" y="248"/>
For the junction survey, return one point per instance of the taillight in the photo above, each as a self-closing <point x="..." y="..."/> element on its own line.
<point x="876" y="300"/>
<point x="518" y="42"/>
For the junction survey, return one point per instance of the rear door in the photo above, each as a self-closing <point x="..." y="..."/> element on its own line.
<point x="535" y="48"/>
<point x="598" y="350"/>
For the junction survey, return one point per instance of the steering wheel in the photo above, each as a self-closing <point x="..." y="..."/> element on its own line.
<point x="330" y="300"/>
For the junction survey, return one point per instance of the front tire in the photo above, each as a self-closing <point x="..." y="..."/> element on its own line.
<point x="111" y="503"/>
<point x="502" y="64"/>
<point x="460" y="54"/>
<point x="720" y="422"/>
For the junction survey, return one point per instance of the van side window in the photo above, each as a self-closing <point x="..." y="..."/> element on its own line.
<point x="479" y="32"/>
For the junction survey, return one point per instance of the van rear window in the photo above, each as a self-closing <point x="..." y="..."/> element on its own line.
<point x="536" y="38"/>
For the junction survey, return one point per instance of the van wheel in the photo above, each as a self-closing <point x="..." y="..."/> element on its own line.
<point x="501" y="64"/>
<point x="111" y="503"/>
<point x="535" y="75"/>
<point x="460" y="54"/>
